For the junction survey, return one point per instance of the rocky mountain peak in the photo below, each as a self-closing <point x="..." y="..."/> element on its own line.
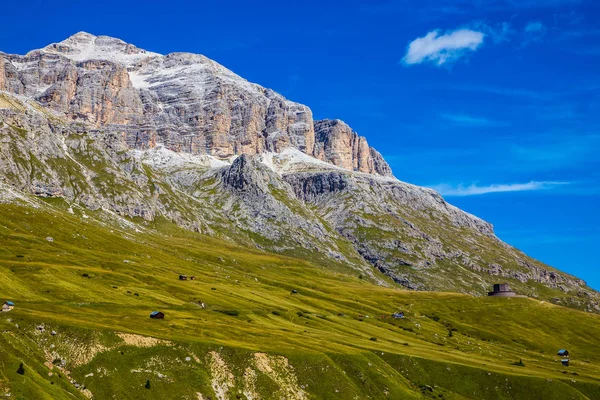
<point x="84" y="46"/>
<point x="186" y="101"/>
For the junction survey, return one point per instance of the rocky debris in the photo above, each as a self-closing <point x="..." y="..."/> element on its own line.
<point x="131" y="339"/>
<point x="282" y="373"/>
<point x="250" y="378"/>
<point x="222" y="378"/>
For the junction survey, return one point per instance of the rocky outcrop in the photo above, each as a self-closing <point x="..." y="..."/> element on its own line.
<point x="379" y="192"/>
<point x="246" y="174"/>
<point x="185" y="101"/>
<point x="338" y="144"/>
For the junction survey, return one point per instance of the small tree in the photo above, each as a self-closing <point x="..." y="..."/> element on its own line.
<point x="21" y="370"/>
<point x="147" y="385"/>
<point x="450" y="334"/>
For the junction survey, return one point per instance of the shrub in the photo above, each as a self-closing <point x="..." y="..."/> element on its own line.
<point x="21" y="369"/>
<point x="519" y="363"/>
<point x="276" y="313"/>
<point x="147" y="385"/>
<point x="374" y="339"/>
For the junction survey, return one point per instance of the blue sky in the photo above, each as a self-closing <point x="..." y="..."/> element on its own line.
<point x="494" y="103"/>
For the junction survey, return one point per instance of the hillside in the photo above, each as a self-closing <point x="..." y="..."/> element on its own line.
<point x="287" y="202"/>
<point x="83" y="299"/>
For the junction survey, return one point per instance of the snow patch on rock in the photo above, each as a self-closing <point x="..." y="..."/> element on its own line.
<point x="161" y="158"/>
<point x="84" y="46"/>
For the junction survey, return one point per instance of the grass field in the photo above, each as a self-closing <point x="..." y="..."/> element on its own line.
<point x="84" y="291"/>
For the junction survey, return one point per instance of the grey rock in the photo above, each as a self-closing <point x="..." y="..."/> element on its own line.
<point x="185" y="101"/>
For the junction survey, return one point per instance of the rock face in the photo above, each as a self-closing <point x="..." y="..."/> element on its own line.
<point x="185" y="101"/>
<point x="338" y="144"/>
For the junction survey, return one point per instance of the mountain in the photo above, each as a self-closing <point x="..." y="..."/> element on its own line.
<point x="107" y="125"/>
<point x="184" y="101"/>
<point x="121" y="169"/>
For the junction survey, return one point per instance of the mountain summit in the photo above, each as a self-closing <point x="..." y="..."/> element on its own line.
<point x="185" y="101"/>
<point x="142" y="137"/>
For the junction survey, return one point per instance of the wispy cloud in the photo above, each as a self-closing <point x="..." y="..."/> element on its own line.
<point x="534" y="26"/>
<point x="506" y="91"/>
<point x="499" y="33"/>
<point x="440" y="49"/>
<point x="441" y="8"/>
<point x="473" y="189"/>
<point x="534" y="32"/>
<point x="579" y="33"/>
<point x="470" y="121"/>
<point x="557" y="93"/>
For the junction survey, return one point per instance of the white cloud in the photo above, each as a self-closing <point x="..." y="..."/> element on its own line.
<point x="473" y="189"/>
<point x="440" y="49"/>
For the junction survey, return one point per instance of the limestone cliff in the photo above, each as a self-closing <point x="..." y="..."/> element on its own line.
<point x="185" y="101"/>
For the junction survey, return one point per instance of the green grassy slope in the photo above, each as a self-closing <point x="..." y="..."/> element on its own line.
<point x="94" y="286"/>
